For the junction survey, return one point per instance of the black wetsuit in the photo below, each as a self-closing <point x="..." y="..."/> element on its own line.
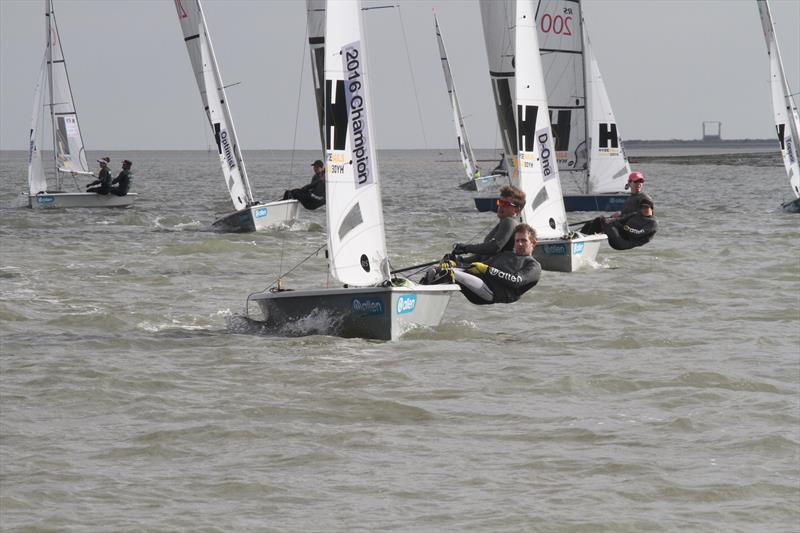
<point x="630" y="206"/>
<point x="310" y="196"/>
<point x="499" y="239"/>
<point x="124" y="183"/>
<point x="630" y="231"/>
<point x="103" y="182"/>
<point x="509" y="276"/>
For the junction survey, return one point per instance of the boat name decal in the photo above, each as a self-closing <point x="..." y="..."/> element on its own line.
<point x="355" y="96"/>
<point x="545" y="154"/>
<point x="555" y="249"/>
<point x="261" y="212"/>
<point x="577" y="248"/>
<point x="406" y="303"/>
<point x="367" y="307"/>
<point x="227" y="149"/>
<point x="45" y="199"/>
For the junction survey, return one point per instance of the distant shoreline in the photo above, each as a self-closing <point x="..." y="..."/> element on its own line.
<point x="629" y="144"/>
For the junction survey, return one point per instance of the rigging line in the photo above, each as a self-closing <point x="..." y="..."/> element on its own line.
<point x="281" y="276"/>
<point x="411" y="72"/>
<point x="297" y="108"/>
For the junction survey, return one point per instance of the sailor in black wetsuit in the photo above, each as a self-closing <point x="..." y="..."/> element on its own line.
<point x="500" y="238"/>
<point x="631" y="205"/>
<point x="632" y="230"/>
<point x="311" y="196"/>
<point x="123" y="180"/>
<point x="502" y="278"/>
<point x="102" y="185"/>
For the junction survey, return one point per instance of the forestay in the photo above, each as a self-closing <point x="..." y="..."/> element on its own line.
<point x="587" y="142"/>
<point x="215" y="101"/>
<point x="464" y="148"/>
<point x="356" y="241"/>
<point x="69" y="151"/>
<point x="538" y="169"/>
<point x="787" y="122"/>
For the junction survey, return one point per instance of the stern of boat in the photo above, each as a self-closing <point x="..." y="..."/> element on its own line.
<point x="568" y="255"/>
<point x="381" y="313"/>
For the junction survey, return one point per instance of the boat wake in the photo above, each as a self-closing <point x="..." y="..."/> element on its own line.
<point x="318" y="322"/>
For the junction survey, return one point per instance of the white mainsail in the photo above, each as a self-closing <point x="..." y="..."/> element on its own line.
<point x="538" y="169"/>
<point x="588" y="144"/>
<point x="464" y="148"/>
<point x="315" y="19"/>
<point x="356" y="241"/>
<point x="787" y="122"/>
<point x="608" y="165"/>
<point x="69" y="152"/>
<point x="498" y="33"/>
<point x="36" y="179"/>
<point x="215" y="102"/>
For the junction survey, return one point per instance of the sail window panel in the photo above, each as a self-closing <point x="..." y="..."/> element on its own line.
<point x="351" y="220"/>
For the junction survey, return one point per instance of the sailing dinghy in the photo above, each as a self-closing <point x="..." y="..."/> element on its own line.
<point x="475" y="182"/>
<point x="53" y="93"/>
<point x="787" y="122"/>
<point x="371" y="304"/>
<point x="248" y="214"/>
<point x="515" y="68"/>
<point x="588" y="145"/>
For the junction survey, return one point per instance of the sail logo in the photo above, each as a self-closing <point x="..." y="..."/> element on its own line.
<point x="367" y="307"/>
<point x="607" y="135"/>
<point x="406" y="303"/>
<point x="355" y="98"/>
<point x="226" y="149"/>
<point x="555" y="249"/>
<point x="261" y="212"/>
<point x="546" y="154"/>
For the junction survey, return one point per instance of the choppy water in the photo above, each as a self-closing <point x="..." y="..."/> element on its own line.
<point x="657" y="392"/>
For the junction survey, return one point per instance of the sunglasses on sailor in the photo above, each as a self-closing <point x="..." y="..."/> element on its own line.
<point x="505" y="203"/>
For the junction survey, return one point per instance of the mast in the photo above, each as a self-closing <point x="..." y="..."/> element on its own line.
<point x="48" y="4"/>
<point x="587" y="122"/>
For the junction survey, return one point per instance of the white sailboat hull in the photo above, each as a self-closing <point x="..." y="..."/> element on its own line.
<point x="382" y="313"/>
<point x="259" y="217"/>
<point x="562" y="255"/>
<point x="63" y="200"/>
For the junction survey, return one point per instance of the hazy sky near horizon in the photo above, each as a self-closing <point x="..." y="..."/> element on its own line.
<point x="668" y="65"/>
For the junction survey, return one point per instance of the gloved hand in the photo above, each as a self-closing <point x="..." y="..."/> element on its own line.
<point x="447" y="264"/>
<point x="459" y="248"/>
<point x="477" y="269"/>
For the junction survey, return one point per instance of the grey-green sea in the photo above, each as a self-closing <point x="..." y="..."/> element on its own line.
<point x="658" y="391"/>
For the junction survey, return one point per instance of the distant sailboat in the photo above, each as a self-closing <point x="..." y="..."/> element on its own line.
<point x="69" y="156"/>
<point x="588" y="143"/>
<point x="515" y="68"/>
<point x="249" y="214"/>
<point x="370" y="304"/>
<point x="787" y="122"/>
<point x="475" y="182"/>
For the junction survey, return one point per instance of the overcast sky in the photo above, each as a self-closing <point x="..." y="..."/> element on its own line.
<point x="668" y="66"/>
